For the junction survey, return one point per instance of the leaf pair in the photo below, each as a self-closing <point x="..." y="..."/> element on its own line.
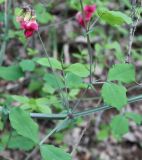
<point x="26" y="127"/>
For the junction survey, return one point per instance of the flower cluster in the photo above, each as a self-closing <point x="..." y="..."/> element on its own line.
<point x="29" y="27"/>
<point x="28" y="23"/>
<point x="27" y="19"/>
<point x="88" y="12"/>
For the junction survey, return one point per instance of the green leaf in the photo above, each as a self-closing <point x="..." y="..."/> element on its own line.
<point x="23" y="124"/>
<point x="27" y="65"/>
<point x="113" y="17"/>
<point x="11" y="73"/>
<point x="54" y="63"/>
<point x="39" y="8"/>
<point x="41" y="12"/>
<point x="71" y="78"/>
<point x="119" y="125"/>
<point x="47" y="17"/>
<point x="54" y="81"/>
<point x="21" y="99"/>
<point x="137" y="118"/>
<point x="42" y="104"/>
<point x="78" y="69"/>
<point x="30" y="106"/>
<point x="20" y="142"/>
<point x="122" y="72"/>
<point x="114" y="95"/>
<point x="50" y="152"/>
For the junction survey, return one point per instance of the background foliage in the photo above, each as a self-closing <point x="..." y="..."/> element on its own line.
<point x="49" y="93"/>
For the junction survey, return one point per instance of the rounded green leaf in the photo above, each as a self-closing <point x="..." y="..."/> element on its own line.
<point x="54" y="81"/>
<point x="122" y="72"/>
<point x="119" y="125"/>
<point x="114" y="95"/>
<point x="71" y="78"/>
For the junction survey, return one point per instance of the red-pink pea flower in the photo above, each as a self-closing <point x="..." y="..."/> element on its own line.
<point x="88" y="12"/>
<point x="29" y="27"/>
<point x="27" y="21"/>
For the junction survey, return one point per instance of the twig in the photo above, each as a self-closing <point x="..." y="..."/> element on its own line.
<point x="84" y="130"/>
<point x="80" y="137"/>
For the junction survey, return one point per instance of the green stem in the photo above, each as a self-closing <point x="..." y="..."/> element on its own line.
<point x="49" y="116"/>
<point x="91" y="111"/>
<point x="52" y="131"/>
<point x="62" y="116"/>
<point x="105" y="107"/>
<point x="56" y="79"/>
<point x="45" y="138"/>
<point x="90" y="51"/>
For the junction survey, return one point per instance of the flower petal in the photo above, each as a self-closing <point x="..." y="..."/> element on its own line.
<point x="28" y="33"/>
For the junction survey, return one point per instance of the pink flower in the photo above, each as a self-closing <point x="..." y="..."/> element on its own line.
<point x="79" y="19"/>
<point x="88" y="12"/>
<point x="90" y="8"/>
<point x="29" y="27"/>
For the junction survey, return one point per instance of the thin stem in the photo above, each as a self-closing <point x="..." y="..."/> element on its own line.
<point x="90" y="51"/>
<point x="60" y="90"/>
<point x="93" y="24"/>
<point x="91" y="111"/>
<point x="66" y="89"/>
<point x="79" y="100"/>
<point x="45" y="139"/>
<point x="48" y="135"/>
<point x="79" y="139"/>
